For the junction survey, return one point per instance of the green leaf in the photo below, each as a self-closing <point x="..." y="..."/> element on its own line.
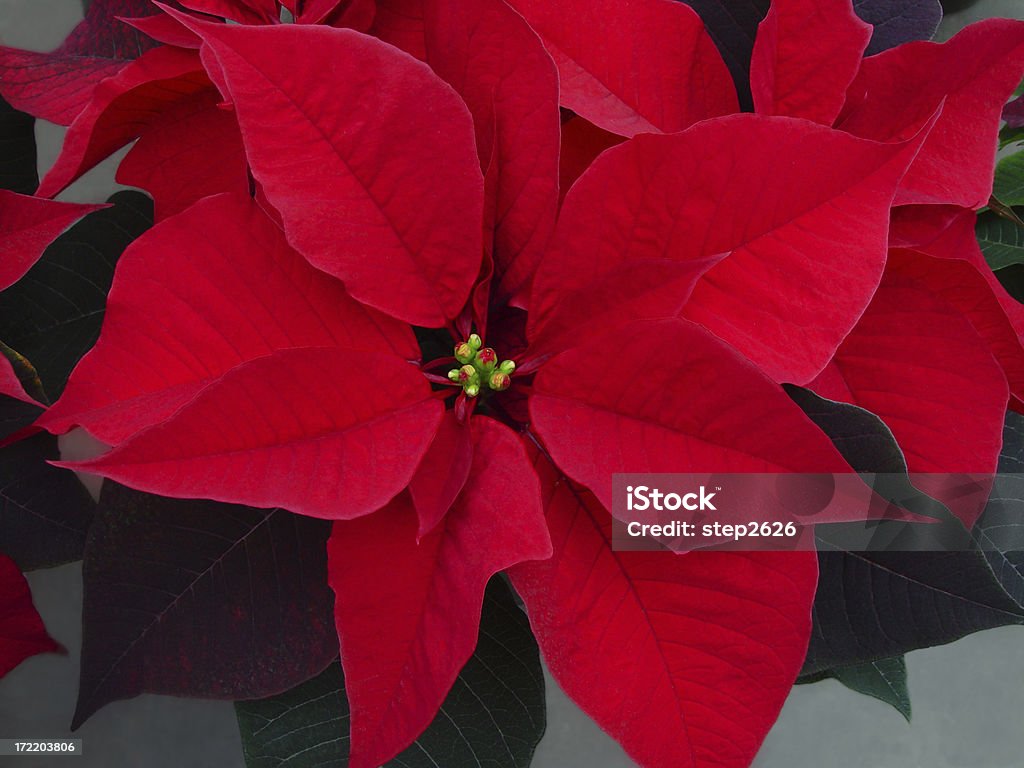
<point x="885" y="680"/>
<point x="200" y="599"/>
<point x="18" y="171"/>
<point x="1001" y="240"/>
<point x="1000" y="530"/>
<point x="874" y="605"/>
<point x="1008" y="186"/>
<point x="493" y="716"/>
<point x="44" y="511"/>
<point x="53" y="314"/>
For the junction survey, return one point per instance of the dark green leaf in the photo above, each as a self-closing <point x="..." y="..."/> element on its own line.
<point x="1008" y="186"/>
<point x="1000" y="239"/>
<point x="1000" y="531"/>
<point x="885" y="680"/>
<point x="493" y="716"/>
<point x="18" y="171"/>
<point x="44" y="511"/>
<point x="201" y="599"/>
<point x="53" y="314"/>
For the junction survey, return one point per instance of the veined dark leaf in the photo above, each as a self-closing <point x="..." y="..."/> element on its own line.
<point x="201" y="599"/>
<point x="1008" y="187"/>
<point x="898" y="21"/>
<point x="1000" y="530"/>
<point x="53" y="314"/>
<point x="876" y="605"/>
<point x="493" y="716"/>
<point x="18" y="171"/>
<point x="44" y="511"/>
<point x="885" y="680"/>
<point x="1001" y="240"/>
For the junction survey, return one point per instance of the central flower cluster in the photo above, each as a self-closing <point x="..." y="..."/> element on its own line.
<point x="480" y="367"/>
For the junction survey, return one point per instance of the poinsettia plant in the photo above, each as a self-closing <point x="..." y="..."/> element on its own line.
<point x="426" y="274"/>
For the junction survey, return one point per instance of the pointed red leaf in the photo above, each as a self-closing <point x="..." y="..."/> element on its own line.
<point x="121" y="108"/>
<point x="684" y="659"/>
<point x="354" y="14"/>
<point x="806" y="54"/>
<point x="167" y="30"/>
<point x="443" y="472"/>
<point x="671" y="398"/>
<point x="242" y="11"/>
<point x="916" y="362"/>
<point x="22" y="633"/>
<point x="974" y="73"/>
<point x="400" y="23"/>
<point x="172" y="159"/>
<point x="11" y="385"/>
<point x="958" y="273"/>
<point x="704" y="193"/>
<point x="29" y="224"/>
<point x="488" y="53"/>
<point x="398" y="220"/>
<point x="645" y="66"/>
<point x="408" y="614"/>
<point x="184" y="309"/>
<point x="56" y="86"/>
<point x="296" y="429"/>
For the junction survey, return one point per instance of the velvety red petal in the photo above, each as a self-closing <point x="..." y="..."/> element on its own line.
<point x="917" y="362"/>
<point x="242" y="11"/>
<point x="376" y="178"/>
<point x="22" y="633"/>
<point x="488" y="53"/>
<point x="805" y="56"/>
<point x="582" y="142"/>
<point x="56" y="86"/>
<point x="172" y="159"/>
<point x="29" y="224"/>
<point x="121" y="108"/>
<point x="639" y="67"/>
<point x="670" y="398"/>
<point x="765" y="196"/>
<point x="400" y="23"/>
<point x="185" y="309"/>
<point x="443" y="472"/>
<point x="684" y="659"/>
<point x="296" y="429"/>
<point x="971" y="77"/>
<point x="408" y="613"/>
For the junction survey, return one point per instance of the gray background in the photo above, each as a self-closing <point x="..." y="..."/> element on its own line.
<point x="968" y="697"/>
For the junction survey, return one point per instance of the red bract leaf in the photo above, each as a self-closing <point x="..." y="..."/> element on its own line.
<point x="916" y="362"/>
<point x="172" y="159"/>
<point x="29" y="224"/>
<point x="184" y="309"/>
<point x="771" y="195"/>
<point x="242" y="11"/>
<point x="166" y="29"/>
<point x="671" y="396"/>
<point x="400" y="23"/>
<point x="805" y="56"/>
<point x="443" y="472"/>
<point x="404" y="640"/>
<point x="974" y="73"/>
<point x="294" y="430"/>
<point x="22" y="633"/>
<point x="684" y="659"/>
<point x="56" y="86"/>
<point x="11" y="385"/>
<point x="121" y="108"/>
<point x="498" y="65"/>
<point x="645" y="66"/>
<point x="398" y="220"/>
<point x="957" y="272"/>
<point x="637" y="68"/>
<point x="355" y="14"/>
<point x="582" y="142"/>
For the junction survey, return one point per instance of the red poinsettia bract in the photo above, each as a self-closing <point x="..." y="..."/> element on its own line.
<point x="324" y="187"/>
